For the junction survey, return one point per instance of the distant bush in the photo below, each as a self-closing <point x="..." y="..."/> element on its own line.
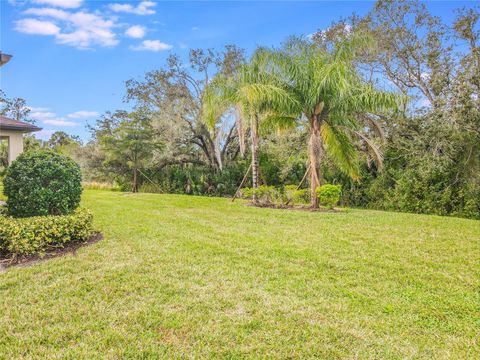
<point x="265" y="194"/>
<point x="296" y="196"/>
<point x="94" y="185"/>
<point x="290" y="191"/>
<point x="42" y="183"/>
<point x="278" y="195"/>
<point x="329" y="195"/>
<point x="35" y="235"/>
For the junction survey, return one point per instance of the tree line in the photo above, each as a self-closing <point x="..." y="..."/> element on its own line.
<point x="386" y="105"/>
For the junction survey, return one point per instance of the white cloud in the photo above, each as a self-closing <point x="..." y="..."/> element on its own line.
<point x="36" y="27"/>
<point x="80" y="29"/>
<point x="46" y="116"/>
<point x="195" y="28"/>
<point x="59" y="122"/>
<point x="67" y="4"/>
<point x="143" y="8"/>
<point x="82" y="114"/>
<point x="42" y="114"/>
<point x="135" y="31"/>
<point x="152" y="45"/>
<point x="32" y="108"/>
<point x="49" y="12"/>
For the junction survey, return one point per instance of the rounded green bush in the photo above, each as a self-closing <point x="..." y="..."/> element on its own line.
<point x="329" y="195"/>
<point x="42" y="183"/>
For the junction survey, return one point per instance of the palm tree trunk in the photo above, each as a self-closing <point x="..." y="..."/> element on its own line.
<point x="135" y="181"/>
<point x="254" y="141"/>
<point x="314" y="151"/>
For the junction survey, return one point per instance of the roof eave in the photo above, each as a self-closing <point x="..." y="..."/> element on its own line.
<point x="4" y="58"/>
<point x="21" y="128"/>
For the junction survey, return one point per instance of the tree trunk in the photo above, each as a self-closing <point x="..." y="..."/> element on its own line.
<point x="135" y="181"/>
<point x="254" y="141"/>
<point x="314" y="152"/>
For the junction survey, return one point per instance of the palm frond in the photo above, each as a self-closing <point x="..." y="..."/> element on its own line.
<point x="371" y="122"/>
<point x="373" y="149"/>
<point x="216" y="100"/>
<point x="273" y="121"/>
<point x="341" y="149"/>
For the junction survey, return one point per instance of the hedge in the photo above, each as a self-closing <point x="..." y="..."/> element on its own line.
<point x="280" y="195"/>
<point x="36" y="235"/>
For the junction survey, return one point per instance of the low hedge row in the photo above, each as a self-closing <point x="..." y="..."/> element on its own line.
<point x="280" y="195"/>
<point x="35" y="235"/>
<point x="328" y="194"/>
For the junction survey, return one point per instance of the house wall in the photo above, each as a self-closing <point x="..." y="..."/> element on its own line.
<point x="15" y="143"/>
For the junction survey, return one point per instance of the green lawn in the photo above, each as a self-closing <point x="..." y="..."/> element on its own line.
<point x="180" y="276"/>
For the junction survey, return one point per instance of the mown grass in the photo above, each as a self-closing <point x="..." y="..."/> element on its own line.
<point x="179" y="276"/>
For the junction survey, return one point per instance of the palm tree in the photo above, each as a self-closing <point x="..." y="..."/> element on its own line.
<point x="334" y="101"/>
<point x="253" y="94"/>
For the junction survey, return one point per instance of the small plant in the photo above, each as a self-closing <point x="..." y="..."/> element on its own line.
<point x="289" y="191"/>
<point x="265" y="193"/>
<point x="279" y="196"/>
<point x="42" y="183"/>
<point x="329" y="195"/>
<point x="301" y="196"/>
<point x="246" y="193"/>
<point x="296" y="196"/>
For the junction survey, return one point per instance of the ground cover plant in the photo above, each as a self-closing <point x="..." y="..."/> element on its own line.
<point x="182" y="276"/>
<point x="38" y="234"/>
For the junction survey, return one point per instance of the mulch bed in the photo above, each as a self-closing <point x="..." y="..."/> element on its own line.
<point x="6" y="260"/>
<point x="293" y="207"/>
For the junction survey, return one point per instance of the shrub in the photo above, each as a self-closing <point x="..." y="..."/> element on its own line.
<point x="42" y="183"/>
<point x="329" y="194"/>
<point x="296" y="196"/>
<point x="289" y="191"/>
<point x="246" y="193"/>
<point x="35" y="235"/>
<point x="301" y="196"/>
<point x="278" y="195"/>
<point x="265" y="193"/>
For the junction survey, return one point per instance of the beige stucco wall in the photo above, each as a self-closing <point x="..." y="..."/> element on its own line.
<point x="15" y="143"/>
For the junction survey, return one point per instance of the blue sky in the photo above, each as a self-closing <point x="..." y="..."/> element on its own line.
<point x="72" y="57"/>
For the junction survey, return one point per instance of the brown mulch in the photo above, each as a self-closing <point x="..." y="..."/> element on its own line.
<point x="293" y="207"/>
<point x="6" y="260"/>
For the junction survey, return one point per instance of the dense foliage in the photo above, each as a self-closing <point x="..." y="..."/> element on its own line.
<point x="42" y="183"/>
<point x="386" y="105"/>
<point x="35" y="235"/>
<point x="329" y="195"/>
